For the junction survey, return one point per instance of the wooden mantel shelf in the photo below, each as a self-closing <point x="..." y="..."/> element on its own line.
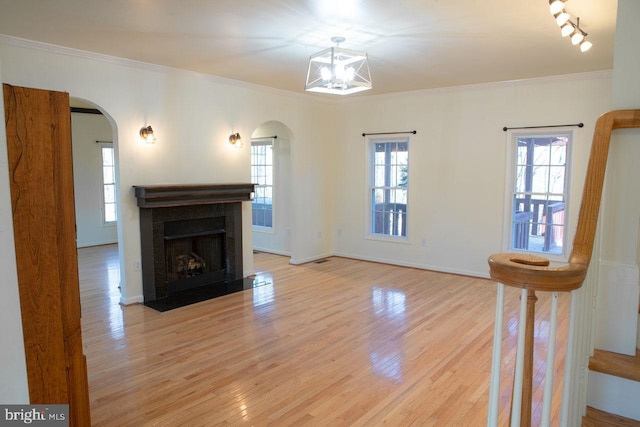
<point x="160" y="196"/>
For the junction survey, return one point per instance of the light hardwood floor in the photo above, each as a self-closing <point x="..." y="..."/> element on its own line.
<point x="337" y="343"/>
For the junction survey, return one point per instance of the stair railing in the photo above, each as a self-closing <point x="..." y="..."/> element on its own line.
<point x="532" y="273"/>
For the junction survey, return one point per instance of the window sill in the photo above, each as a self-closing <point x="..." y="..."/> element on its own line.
<point x="389" y="239"/>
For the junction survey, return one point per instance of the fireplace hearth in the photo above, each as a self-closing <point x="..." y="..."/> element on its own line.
<point x="191" y="238"/>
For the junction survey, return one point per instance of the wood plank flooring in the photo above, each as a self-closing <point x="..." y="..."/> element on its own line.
<point x="338" y="343"/>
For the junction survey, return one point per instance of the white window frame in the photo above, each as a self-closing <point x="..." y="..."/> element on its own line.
<point x="570" y="203"/>
<point x="370" y="144"/>
<point x="103" y="202"/>
<point x="267" y="141"/>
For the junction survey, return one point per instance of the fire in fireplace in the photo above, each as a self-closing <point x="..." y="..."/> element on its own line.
<point x="194" y="252"/>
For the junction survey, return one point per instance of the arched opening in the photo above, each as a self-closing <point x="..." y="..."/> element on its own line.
<point x="272" y="208"/>
<point x="95" y="174"/>
<point x="97" y="203"/>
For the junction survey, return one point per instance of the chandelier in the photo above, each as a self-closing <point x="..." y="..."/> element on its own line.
<point x="338" y="71"/>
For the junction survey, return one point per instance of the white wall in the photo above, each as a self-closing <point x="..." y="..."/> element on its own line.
<point x="192" y="115"/>
<point x="457" y="164"/>
<point x="86" y="129"/>
<point x="619" y="291"/>
<point x="13" y="371"/>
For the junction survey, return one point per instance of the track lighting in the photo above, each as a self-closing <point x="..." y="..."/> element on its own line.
<point x="568" y="28"/>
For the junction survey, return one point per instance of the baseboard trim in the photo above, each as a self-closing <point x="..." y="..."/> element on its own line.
<point x="139" y="299"/>
<point x="439" y="269"/>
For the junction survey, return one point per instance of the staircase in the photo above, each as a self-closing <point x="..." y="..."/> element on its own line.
<point x="595" y="418"/>
<point x="619" y="376"/>
<point x="613" y="379"/>
<point x="622" y="374"/>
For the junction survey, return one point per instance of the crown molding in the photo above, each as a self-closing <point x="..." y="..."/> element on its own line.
<point x="589" y="75"/>
<point x="31" y="44"/>
<point x="94" y="56"/>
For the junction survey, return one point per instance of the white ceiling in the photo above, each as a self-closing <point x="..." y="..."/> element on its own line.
<point x="412" y="44"/>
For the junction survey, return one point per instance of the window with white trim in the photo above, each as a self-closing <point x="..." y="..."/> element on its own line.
<point x="262" y="175"/>
<point x="108" y="183"/>
<point x="539" y="191"/>
<point x="388" y="187"/>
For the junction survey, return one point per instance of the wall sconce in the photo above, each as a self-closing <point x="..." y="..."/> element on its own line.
<point x="147" y="135"/>
<point x="235" y="140"/>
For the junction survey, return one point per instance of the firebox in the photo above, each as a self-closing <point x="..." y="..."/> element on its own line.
<point x="194" y="253"/>
<point x="191" y="236"/>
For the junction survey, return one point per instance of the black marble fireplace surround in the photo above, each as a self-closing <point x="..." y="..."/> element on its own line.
<point x="191" y="241"/>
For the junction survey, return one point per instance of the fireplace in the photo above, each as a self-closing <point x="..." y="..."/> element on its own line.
<point x="191" y="236"/>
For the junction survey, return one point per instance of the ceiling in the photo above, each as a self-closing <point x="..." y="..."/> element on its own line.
<point x="412" y="44"/>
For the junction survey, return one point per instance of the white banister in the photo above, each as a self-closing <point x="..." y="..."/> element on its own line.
<point x="496" y="361"/>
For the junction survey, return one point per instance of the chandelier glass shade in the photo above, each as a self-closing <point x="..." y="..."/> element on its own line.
<point x="338" y="71"/>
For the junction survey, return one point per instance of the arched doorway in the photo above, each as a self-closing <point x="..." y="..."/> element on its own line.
<point x="94" y="174"/>
<point x="272" y="210"/>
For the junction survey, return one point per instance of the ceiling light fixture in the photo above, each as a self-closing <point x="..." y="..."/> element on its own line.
<point x="568" y="28"/>
<point x="561" y="17"/>
<point x="556" y="6"/>
<point x="338" y="71"/>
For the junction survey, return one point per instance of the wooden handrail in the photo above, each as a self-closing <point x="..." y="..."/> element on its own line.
<point x="534" y="273"/>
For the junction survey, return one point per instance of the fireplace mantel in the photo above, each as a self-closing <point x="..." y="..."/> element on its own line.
<point x="159" y="196"/>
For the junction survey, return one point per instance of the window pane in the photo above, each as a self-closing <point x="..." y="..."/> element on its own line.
<point x="262" y="174"/>
<point x="110" y="193"/>
<point x="539" y="193"/>
<point x="108" y="181"/>
<point x="389" y="180"/>
<point x="110" y="212"/>
<point x="107" y="156"/>
<point x="108" y="175"/>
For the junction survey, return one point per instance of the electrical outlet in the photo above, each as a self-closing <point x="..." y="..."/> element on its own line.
<point x="424" y="241"/>
<point x="137" y="265"/>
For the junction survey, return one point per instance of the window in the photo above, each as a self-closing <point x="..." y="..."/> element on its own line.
<point x="108" y="183"/>
<point x="389" y="178"/>
<point x="539" y="191"/>
<point x="262" y="175"/>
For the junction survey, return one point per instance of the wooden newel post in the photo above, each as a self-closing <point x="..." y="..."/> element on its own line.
<point x="527" y="384"/>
